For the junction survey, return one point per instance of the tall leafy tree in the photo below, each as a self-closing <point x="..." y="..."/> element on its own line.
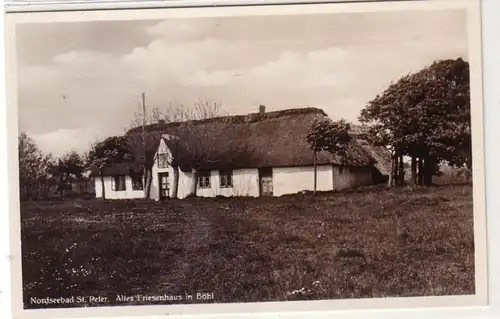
<point x="34" y="168"/>
<point x="426" y="116"/>
<point x="326" y="135"/>
<point x="111" y="150"/>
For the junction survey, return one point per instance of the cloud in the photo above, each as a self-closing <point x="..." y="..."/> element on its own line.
<point x="346" y="68"/>
<point x="61" y="141"/>
<point x="290" y="69"/>
<point x="175" y="62"/>
<point x="338" y="71"/>
<point x="77" y="58"/>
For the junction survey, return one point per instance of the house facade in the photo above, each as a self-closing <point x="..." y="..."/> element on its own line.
<point x="118" y="183"/>
<point x="118" y="187"/>
<point x="263" y="154"/>
<point x="253" y="182"/>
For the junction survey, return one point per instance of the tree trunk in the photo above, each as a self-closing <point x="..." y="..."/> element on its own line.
<point x="175" y="189"/>
<point x="102" y="184"/>
<point x="396" y="170"/>
<point x="149" y="180"/>
<point x="44" y="193"/>
<point x="413" y="170"/>
<point x="428" y="170"/>
<point x="392" y="174"/>
<point x="420" y="180"/>
<point x="315" y="173"/>
<point x="37" y="190"/>
<point x="61" y="187"/>
<point x="23" y="193"/>
<point x="401" y="170"/>
<point x="145" y="181"/>
<point x="194" y="183"/>
<point x="28" y="191"/>
<point x="32" y="191"/>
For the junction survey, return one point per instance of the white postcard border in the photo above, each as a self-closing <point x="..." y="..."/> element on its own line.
<point x="264" y="307"/>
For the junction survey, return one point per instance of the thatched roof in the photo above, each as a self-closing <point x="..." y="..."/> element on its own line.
<point x="380" y="154"/>
<point x="275" y="139"/>
<point x="118" y="169"/>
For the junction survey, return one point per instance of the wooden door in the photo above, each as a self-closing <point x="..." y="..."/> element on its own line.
<point x="266" y="181"/>
<point x="163" y="185"/>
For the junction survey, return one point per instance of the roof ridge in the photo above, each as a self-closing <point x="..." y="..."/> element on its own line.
<point x="236" y="119"/>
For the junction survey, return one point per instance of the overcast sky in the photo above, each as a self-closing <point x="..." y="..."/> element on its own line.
<point x="79" y="82"/>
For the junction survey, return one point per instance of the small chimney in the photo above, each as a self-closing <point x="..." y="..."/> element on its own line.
<point x="262" y="110"/>
<point x="161" y="122"/>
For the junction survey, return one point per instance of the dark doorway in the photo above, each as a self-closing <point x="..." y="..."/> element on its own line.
<point x="163" y="185"/>
<point x="266" y="181"/>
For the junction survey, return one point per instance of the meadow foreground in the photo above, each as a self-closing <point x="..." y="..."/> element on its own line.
<point x="367" y="243"/>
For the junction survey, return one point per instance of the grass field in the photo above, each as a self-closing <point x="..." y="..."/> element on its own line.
<point x="366" y="243"/>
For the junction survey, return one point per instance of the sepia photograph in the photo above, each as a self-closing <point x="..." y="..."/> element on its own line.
<point x="214" y="156"/>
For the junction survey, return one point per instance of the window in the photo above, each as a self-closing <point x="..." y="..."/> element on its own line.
<point x="162" y="160"/>
<point x="226" y="179"/>
<point x="137" y="182"/>
<point x="118" y="183"/>
<point x="204" y="179"/>
<point x="164" y="185"/>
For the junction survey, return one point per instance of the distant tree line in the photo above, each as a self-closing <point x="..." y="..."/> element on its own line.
<point x="42" y="175"/>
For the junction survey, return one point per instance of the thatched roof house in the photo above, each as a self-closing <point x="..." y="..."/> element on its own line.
<point x="272" y="139"/>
